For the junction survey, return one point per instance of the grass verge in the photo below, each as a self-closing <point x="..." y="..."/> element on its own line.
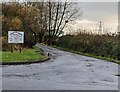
<point x="89" y="55"/>
<point x="26" y="55"/>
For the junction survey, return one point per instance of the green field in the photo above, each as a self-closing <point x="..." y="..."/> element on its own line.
<point x="25" y="56"/>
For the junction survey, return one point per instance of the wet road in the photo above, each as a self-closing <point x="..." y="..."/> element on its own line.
<point x="65" y="71"/>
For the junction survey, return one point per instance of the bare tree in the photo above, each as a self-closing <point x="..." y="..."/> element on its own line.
<point x="53" y="17"/>
<point x="63" y="13"/>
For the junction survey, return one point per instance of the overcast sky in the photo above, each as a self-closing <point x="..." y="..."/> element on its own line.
<point x="94" y="12"/>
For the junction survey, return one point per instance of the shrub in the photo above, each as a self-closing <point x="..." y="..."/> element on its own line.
<point x="100" y="45"/>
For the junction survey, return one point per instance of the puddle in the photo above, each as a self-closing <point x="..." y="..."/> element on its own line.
<point x="89" y="60"/>
<point x="89" y="65"/>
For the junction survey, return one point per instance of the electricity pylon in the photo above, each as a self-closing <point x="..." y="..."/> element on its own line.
<point x="100" y="28"/>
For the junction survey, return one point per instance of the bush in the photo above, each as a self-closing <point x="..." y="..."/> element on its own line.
<point x="100" y="45"/>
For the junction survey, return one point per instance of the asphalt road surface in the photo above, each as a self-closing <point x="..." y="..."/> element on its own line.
<point x="65" y="71"/>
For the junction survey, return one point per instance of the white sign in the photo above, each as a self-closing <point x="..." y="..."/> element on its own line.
<point x="15" y="37"/>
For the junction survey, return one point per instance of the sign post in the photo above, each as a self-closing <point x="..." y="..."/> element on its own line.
<point x="15" y="37"/>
